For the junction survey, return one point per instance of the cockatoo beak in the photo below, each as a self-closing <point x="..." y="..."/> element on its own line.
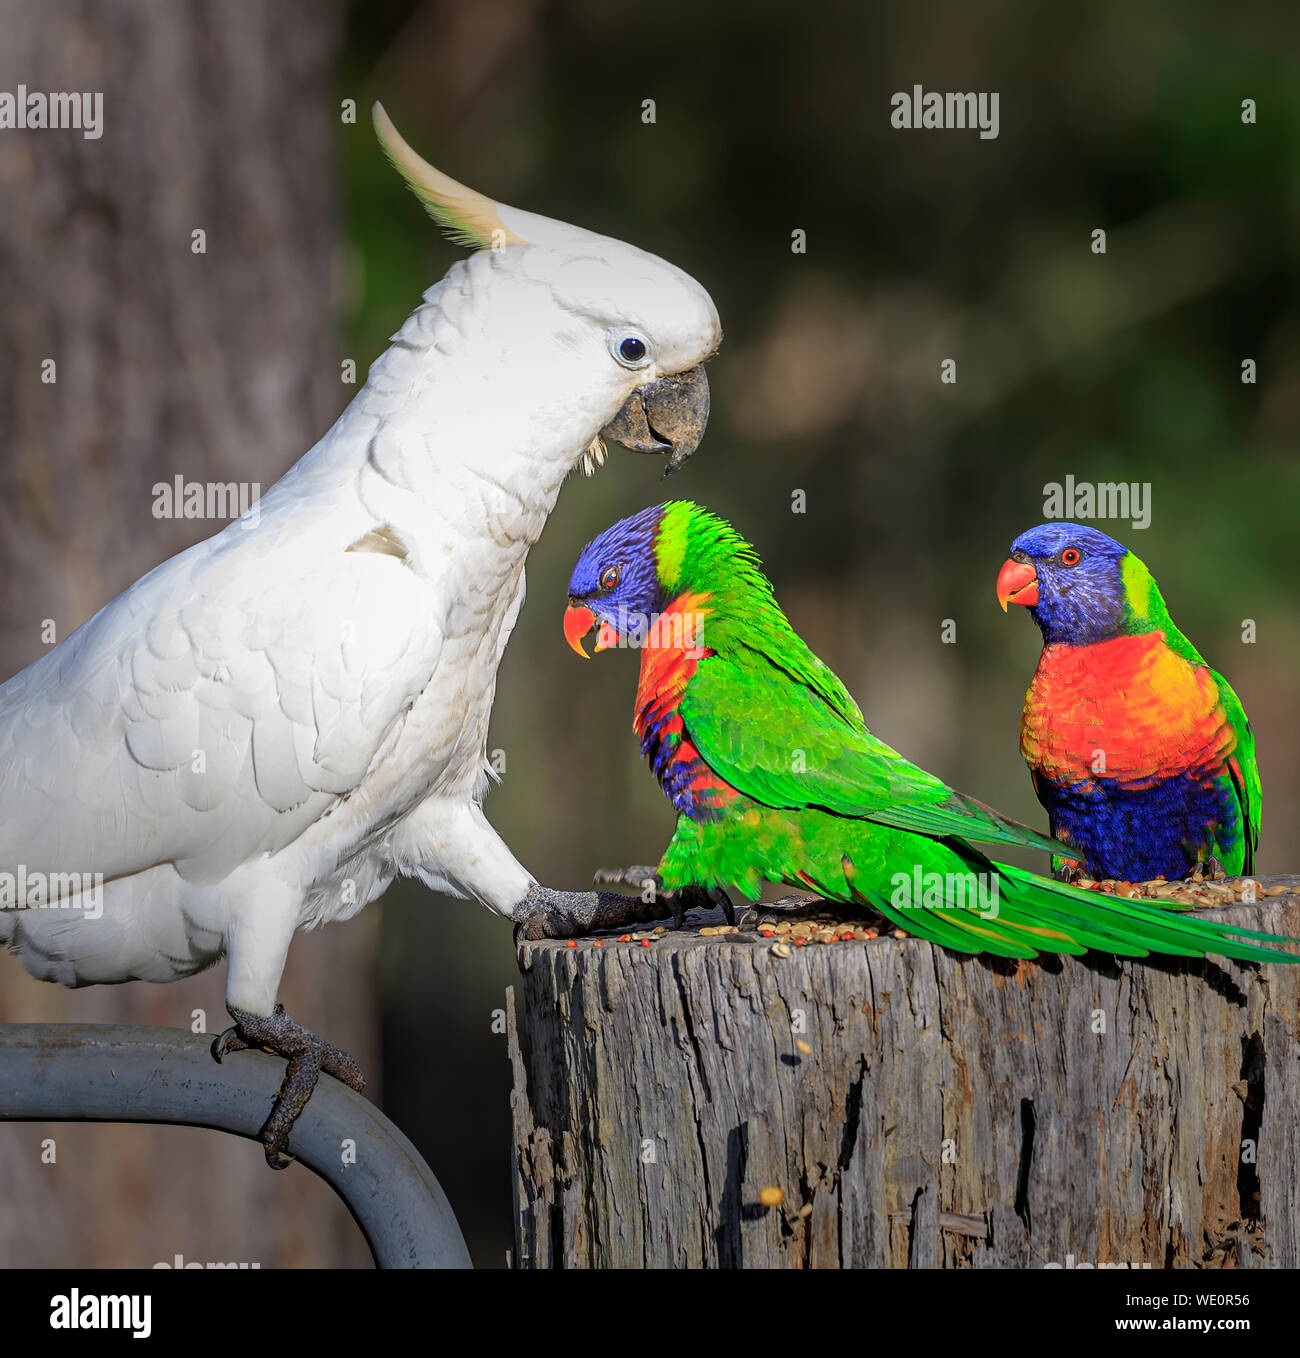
<point x="667" y="416"/>
<point x="1017" y="584"/>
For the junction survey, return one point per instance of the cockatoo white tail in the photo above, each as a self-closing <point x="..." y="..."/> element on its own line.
<point x="258" y="735"/>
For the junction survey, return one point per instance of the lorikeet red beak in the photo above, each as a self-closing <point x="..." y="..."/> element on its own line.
<point x="1017" y="584"/>
<point x="578" y="622"/>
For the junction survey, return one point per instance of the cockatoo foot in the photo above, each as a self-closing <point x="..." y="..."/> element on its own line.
<point x="545" y="913"/>
<point x="1206" y="870"/>
<point x="307" y="1055"/>
<point x="649" y="883"/>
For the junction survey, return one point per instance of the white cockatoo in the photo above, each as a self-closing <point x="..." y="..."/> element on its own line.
<point x="262" y="732"/>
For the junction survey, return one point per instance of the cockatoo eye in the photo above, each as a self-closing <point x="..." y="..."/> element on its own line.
<point x="1070" y="557"/>
<point x="631" y="350"/>
<point x="609" y="578"/>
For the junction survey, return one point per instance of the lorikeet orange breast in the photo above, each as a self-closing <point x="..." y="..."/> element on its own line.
<point x="776" y="778"/>
<point x="668" y="664"/>
<point x="1139" y="751"/>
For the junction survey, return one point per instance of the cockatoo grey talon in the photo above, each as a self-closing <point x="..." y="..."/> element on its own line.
<point x="229" y="1041"/>
<point x="695" y="897"/>
<point x="545" y="913"/>
<point x="307" y="1055"/>
<point x="675" y="903"/>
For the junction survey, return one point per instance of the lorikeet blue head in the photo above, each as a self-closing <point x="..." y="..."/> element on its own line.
<point x="1079" y="585"/>
<point x="615" y="585"/>
<point x="660" y="577"/>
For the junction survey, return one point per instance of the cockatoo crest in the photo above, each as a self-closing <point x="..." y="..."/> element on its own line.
<point x="468" y="217"/>
<point x="606" y="295"/>
<point x="471" y="218"/>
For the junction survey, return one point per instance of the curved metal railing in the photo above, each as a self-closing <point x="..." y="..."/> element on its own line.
<point x="69" y="1072"/>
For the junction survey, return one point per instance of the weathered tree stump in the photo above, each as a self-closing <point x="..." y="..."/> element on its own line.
<point x="954" y="1111"/>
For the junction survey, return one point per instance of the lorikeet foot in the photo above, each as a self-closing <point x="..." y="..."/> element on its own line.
<point x="1071" y="873"/>
<point x="545" y="913"/>
<point x="792" y="908"/>
<point x="1206" y="870"/>
<point x="691" y="897"/>
<point x="307" y="1055"/>
<point x="803" y="905"/>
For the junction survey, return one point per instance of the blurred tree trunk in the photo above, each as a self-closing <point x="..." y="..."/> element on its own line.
<point x="215" y="366"/>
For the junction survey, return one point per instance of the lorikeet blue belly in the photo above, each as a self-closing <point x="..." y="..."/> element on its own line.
<point x="1136" y="834"/>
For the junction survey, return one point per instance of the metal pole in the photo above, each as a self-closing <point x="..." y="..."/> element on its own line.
<point x="69" y="1072"/>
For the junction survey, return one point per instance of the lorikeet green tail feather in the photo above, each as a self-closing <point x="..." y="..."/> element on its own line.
<point x="1036" y="915"/>
<point x="776" y="778"/>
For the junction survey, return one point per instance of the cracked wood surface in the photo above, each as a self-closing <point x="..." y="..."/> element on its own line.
<point x="954" y="1111"/>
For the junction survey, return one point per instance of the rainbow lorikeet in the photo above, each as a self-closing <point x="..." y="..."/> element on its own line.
<point x="775" y="776"/>
<point x="1140" y="752"/>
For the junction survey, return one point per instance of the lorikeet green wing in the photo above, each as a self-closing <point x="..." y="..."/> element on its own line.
<point x="787" y="743"/>
<point x="1242" y="769"/>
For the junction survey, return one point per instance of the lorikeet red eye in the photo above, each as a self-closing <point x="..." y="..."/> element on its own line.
<point x="1070" y="557"/>
<point x="609" y="578"/>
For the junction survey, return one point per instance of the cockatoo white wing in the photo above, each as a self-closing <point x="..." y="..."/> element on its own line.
<point x="214" y="710"/>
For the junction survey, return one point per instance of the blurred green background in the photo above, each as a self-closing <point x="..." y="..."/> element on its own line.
<point x="921" y="246"/>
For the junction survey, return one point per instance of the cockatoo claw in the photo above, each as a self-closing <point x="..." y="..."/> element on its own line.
<point x="307" y="1055"/>
<point x="649" y="885"/>
<point x="229" y="1041"/>
<point x="678" y="902"/>
<point x="546" y="913"/>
